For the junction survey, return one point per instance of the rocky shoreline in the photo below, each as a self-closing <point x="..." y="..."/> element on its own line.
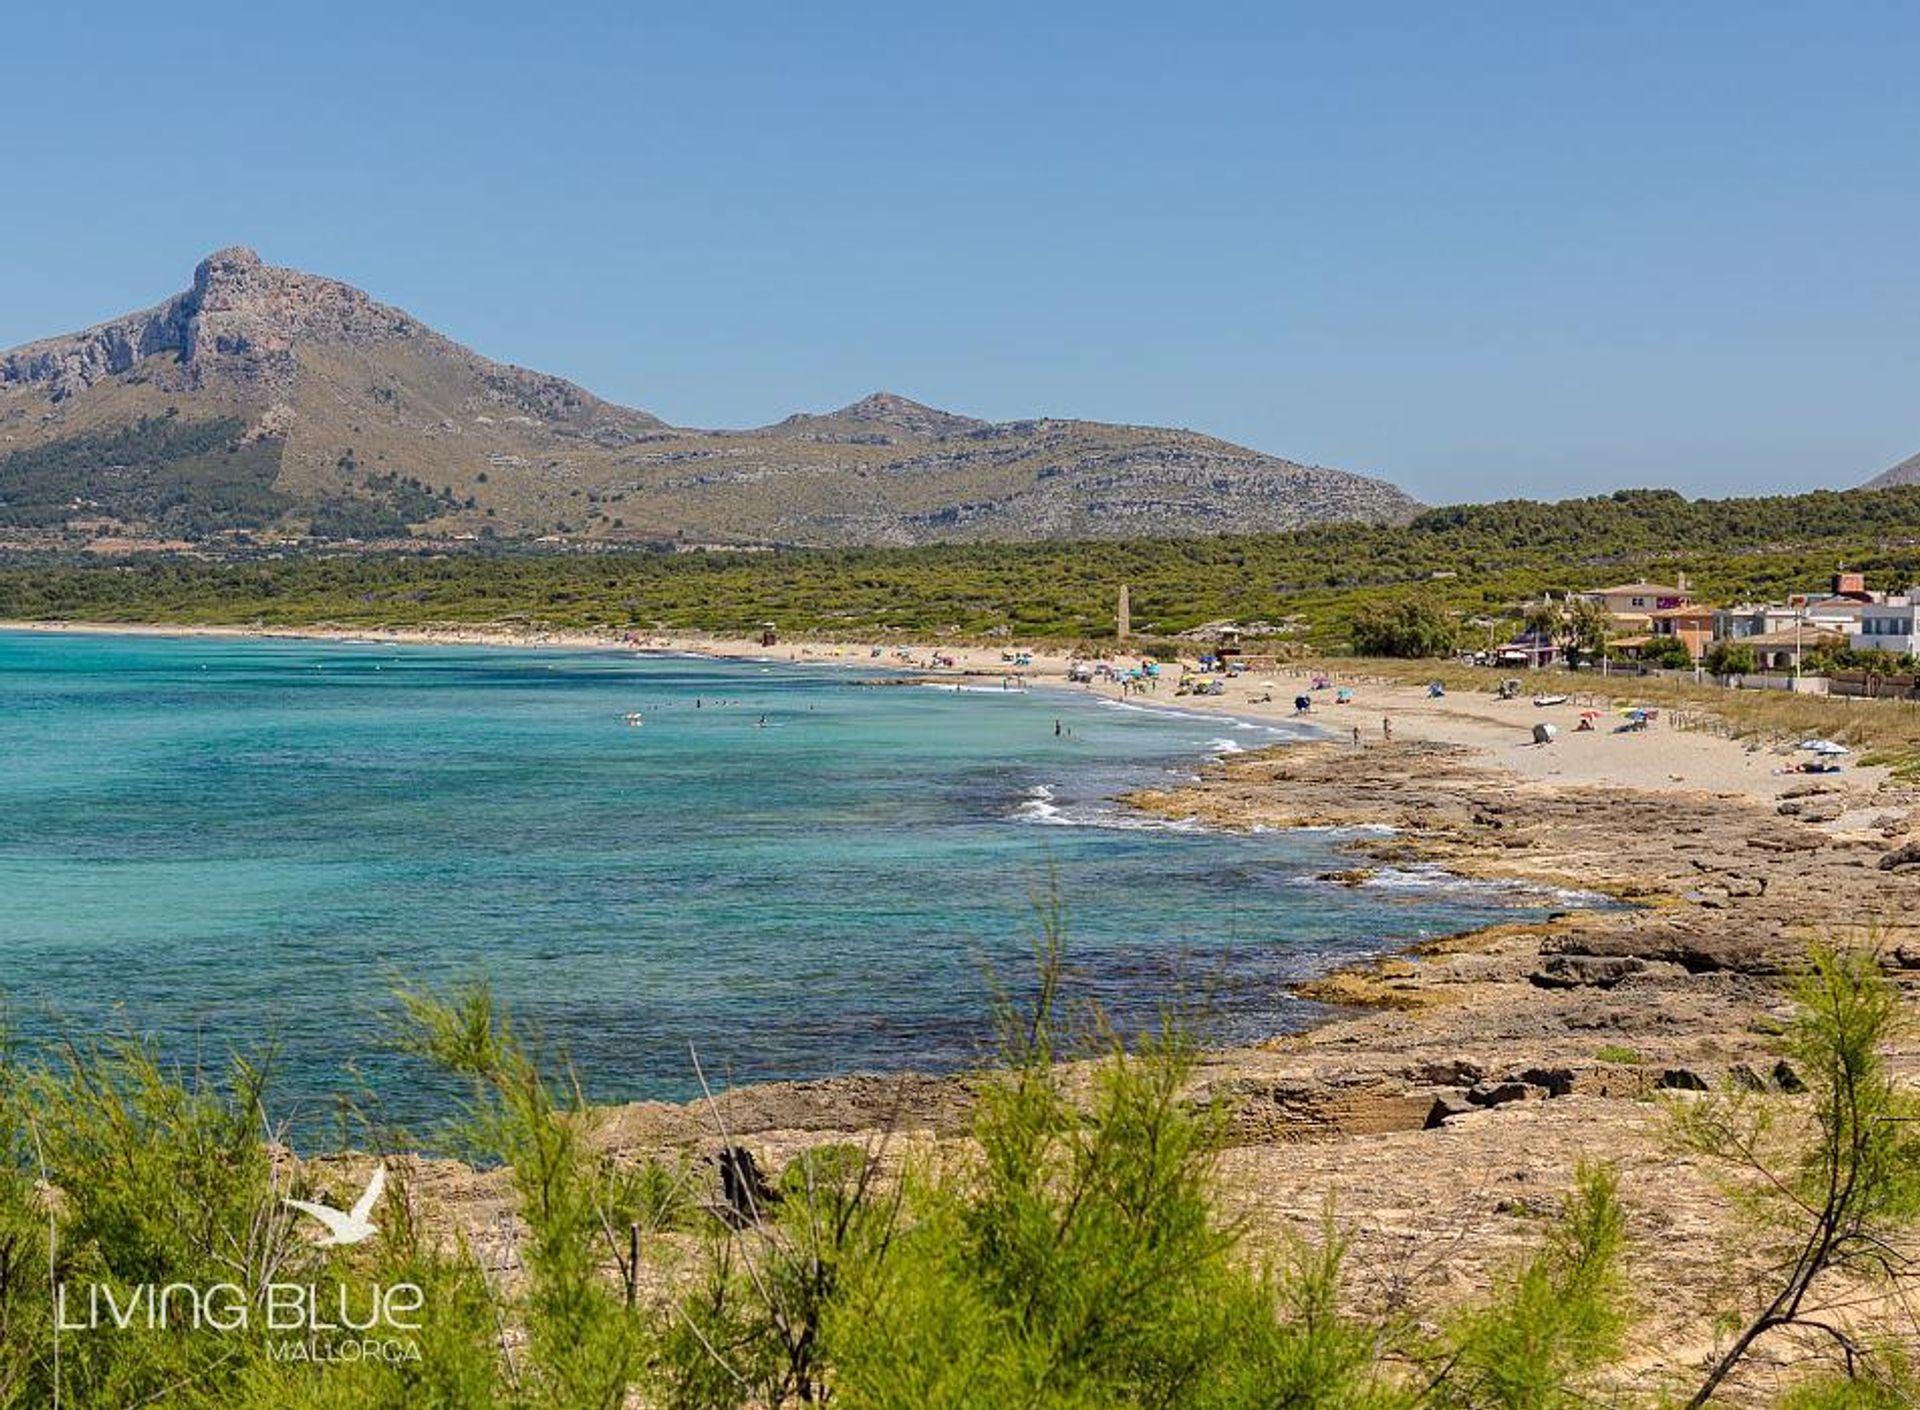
<point x="1438" y="1116"/>
<point x="1675" y="988"/>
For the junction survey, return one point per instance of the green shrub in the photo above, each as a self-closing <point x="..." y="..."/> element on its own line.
<point x="1729" y="658"/>
<point x="1416" y="626"/>
<point x="1833" y="1189"/>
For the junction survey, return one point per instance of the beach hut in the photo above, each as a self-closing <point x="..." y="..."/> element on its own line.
<point x="769" y="634"/>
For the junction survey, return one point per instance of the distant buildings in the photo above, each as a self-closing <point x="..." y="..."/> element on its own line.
<point x="1779" y="634"/>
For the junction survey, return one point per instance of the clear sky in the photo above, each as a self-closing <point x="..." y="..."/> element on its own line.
<point x="1481" y="249"/>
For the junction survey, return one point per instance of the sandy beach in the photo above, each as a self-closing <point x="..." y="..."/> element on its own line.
<point x="1661" y="758"/>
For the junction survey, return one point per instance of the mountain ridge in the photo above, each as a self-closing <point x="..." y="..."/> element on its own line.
<point x="266" y="401"/>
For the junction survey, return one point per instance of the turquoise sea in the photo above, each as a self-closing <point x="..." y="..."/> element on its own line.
<point x="797" y="873"/>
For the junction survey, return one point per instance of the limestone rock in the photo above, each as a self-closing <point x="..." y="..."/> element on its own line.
<point x="1576" y="971"/>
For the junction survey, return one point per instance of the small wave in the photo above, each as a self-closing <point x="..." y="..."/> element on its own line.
<point x="1225" y="746"/>
<point x="1041" y="807"/>
<point x="1129" y="707"/>
<point x="1119" y="822"/>
<point x="1278" y="731"/>
<point x="1431" y="877"/>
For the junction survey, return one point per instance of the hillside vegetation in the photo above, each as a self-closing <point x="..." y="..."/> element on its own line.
<point x="189" y="477"/>
<point x="1478" y="562"/>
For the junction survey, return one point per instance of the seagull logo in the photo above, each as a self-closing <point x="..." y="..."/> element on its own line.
<point x="353" y="1226"/>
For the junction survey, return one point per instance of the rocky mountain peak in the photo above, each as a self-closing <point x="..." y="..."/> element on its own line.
<point x="246" y="317"/>
<point x="238" y="323"/>
<point x="905" y="415"/>
<point x="234" y="259"/>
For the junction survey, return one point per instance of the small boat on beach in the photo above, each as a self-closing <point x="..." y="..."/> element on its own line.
<point x="1545" y="700"/>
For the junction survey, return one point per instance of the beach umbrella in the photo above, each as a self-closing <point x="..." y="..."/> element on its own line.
<point x="1589" y="714"/>
<point x="1824" y="746"/>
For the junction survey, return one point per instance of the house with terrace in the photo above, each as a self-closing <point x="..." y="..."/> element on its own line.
<point x="1632" y="605"/>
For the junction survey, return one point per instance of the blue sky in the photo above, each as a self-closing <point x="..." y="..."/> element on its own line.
<point x="1480" y="249"/>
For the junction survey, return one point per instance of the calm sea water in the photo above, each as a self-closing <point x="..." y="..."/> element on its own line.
<point x="798" y="873"/>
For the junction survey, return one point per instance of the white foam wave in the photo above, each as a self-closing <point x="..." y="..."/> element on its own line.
<point x="1278" y="731"/>
<point x="1430" y="877"/>
<point x="1121" y="822"/>
<point x="1130" y="708"/>
<point x="1041" y="807"/>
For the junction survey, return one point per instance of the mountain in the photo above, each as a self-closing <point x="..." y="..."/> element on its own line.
<point x="265" y="402"/>
<point x="1907" y="472"/>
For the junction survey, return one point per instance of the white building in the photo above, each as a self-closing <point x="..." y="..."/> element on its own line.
<point x="1751" y="619"/>
<point x="1888" y="626"/>
<point x="1839" y="614"/>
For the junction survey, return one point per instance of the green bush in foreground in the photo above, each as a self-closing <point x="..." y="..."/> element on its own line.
<point x="1073" y="1256"/>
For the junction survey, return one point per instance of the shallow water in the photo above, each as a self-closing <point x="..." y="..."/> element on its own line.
<point x="797" y="873"/>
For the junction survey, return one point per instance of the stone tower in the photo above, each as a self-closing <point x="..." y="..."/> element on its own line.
<point x="1122" y="616"/>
